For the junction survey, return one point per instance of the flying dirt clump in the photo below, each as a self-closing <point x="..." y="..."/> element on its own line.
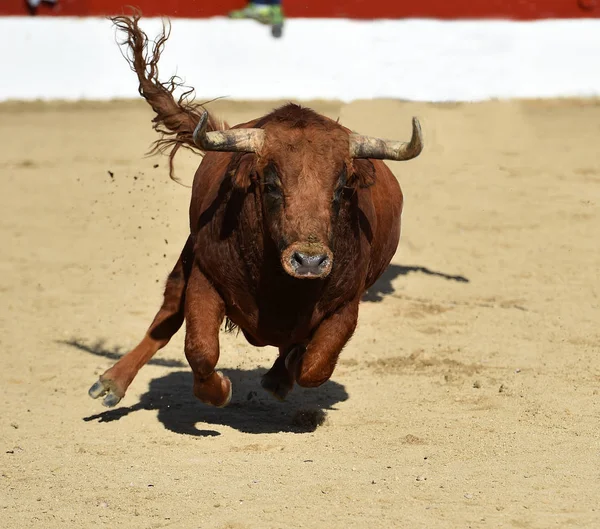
<point x="309" y="419"/>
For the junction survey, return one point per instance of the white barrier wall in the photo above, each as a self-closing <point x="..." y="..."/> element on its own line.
<point x="71" y="58"/>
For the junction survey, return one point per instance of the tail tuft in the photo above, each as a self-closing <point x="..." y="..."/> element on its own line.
<point x="175" y="120"/>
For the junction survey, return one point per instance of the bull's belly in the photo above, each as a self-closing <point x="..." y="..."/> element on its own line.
<point x="283" y="330"/>
<point x="276" y="309"/>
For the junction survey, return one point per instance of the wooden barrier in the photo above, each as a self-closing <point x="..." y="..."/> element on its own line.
<point x="353" y="9"/>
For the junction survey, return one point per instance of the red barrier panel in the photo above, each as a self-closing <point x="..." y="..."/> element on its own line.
<point x="356" y="9"/>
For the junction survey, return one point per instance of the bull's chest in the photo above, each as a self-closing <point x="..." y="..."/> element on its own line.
<point x="276" y="315"/>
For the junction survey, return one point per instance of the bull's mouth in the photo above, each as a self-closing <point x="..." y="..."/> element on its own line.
<point x="307" y="260"/>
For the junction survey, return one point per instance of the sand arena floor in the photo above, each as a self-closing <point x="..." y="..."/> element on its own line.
<point x="468" y="397"/>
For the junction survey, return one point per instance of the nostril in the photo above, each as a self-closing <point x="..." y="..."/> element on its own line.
<point x="321" y="259"/>
<point x="297" y="259"/>
<point x="308" y="262"/>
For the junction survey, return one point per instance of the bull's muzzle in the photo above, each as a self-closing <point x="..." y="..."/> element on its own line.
<point x="307" y="261"/>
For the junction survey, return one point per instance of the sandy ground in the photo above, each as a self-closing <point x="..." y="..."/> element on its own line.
<point x="468" y="397"/>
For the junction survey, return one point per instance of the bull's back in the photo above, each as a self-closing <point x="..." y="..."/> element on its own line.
<point x="388" y="202"/>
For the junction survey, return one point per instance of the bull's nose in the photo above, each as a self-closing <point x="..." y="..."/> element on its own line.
<point x="306" y="264"/>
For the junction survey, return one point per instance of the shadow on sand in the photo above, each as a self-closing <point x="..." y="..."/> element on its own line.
<point x="383" y="286"/>
<point x="252" y="410"/>
<point x="98" y="348"/>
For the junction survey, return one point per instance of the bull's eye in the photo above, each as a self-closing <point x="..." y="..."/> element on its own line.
<point x="338" y="193"/>
<point x="271" y="189"/>
<point x="341" y="186"/>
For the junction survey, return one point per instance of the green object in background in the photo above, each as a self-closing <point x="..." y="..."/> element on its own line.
<point x="271" y="15"/>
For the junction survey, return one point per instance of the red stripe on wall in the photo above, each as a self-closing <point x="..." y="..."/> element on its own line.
<point x="356" y="9"/>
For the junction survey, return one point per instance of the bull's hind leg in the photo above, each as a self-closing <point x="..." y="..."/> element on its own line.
<point x="114" y="382"/>
<point x="279" y="381"/>
<point x="204" y="314"/>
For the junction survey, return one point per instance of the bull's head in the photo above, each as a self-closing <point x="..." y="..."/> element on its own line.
<point x="302" y="174"/>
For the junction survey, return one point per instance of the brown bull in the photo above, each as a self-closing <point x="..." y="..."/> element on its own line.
<point x="292" y="218"/>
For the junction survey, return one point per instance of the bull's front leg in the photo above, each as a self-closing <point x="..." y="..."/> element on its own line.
<point x="204" y="313"/>
<point x="318" y="362"/>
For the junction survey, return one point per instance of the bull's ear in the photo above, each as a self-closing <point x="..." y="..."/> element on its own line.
<point x="362" y="173"/>
<point x="241" y="170"/>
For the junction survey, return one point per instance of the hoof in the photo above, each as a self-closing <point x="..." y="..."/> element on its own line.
<point x="106" y="389"/>
<point x="225" y="380"/>
<point x="293" y="359"/>
<point x="276" y="386"/>
<point x="216" y="390"/>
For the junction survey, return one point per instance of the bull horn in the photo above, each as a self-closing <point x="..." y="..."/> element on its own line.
<point x="232" y="140"/>
<point x="370" y="147"/>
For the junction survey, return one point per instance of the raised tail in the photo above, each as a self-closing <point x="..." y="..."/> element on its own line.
<point x="175" y="120"/>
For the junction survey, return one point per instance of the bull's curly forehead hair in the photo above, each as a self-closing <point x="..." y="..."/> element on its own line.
<point x="294" y="156"/>
<point x="297" y="137"/>
<point x="314" y="144"/>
